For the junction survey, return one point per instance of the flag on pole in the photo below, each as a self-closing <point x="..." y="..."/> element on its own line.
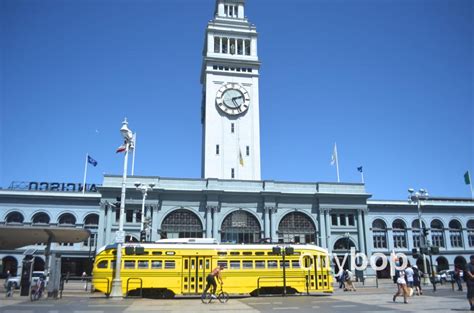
<point x="334" y="160"/>
<point x="467" y="178"/>
<point x="241" y="159"/>
<point x="360" y="169"/>
<point x="122" y="148"/>
<point x="334" y="155"/>
<point x="91" y="161"/>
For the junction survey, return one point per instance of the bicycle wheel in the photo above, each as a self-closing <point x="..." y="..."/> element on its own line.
<point x="33" y="296"/>
<point x="223" y="297"/>
<point x="206" y="297"/>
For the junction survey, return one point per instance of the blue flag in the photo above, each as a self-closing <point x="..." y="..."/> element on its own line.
<point x="359" y="169"/>
<point x="91" y="160"/>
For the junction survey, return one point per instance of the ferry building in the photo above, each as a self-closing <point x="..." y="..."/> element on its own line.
<point x="230" y="202"/>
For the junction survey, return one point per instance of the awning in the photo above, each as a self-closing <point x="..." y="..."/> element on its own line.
<point x="12" y="237"/>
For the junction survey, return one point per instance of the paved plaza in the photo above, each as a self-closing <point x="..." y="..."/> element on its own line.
<point x="365" y="299"/>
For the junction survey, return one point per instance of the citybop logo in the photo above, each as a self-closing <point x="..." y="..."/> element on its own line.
<point x="360" y="261"/>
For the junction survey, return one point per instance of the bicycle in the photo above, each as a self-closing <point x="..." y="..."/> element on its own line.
<point x="37" y="291"/>
<point x="220" y="295"/>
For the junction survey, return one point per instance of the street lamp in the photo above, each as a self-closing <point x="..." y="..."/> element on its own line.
<point x="144" y="189"/>
<point x="116" y="292"/>
<point x="416" y="197"/>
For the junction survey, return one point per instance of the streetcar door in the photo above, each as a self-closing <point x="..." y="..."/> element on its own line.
<point x="322" y="272"/>
<point x="195" y="270"/>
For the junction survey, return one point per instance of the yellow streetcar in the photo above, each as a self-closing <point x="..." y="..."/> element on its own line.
<point x="179" y="267"/>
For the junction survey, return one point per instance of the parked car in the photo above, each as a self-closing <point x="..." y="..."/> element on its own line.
<point x="36" y="275"/>
<point x="444" y="276"/>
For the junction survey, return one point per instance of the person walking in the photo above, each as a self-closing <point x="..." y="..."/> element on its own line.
<point x="469" y="277"/>
<point x="417" y="274"/>
<point x="402" y="287"/>
<point x="349" y="281"/>
<point x="458" y="276"/>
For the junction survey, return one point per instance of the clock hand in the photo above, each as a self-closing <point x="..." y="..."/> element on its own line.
<point x="234" y="98"/>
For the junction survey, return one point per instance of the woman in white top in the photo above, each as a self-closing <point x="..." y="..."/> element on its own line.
<point x="402" y="287"/>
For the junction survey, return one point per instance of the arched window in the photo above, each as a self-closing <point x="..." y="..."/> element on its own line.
<point x="40" y="218"/>
<point x="399" y="234"/>
<point x="296" y="227"/>
<point x="437" y="233"/>
<point x="379" y="231"/>
<point x="470" y="232"/>
<point x="91" y="222"/>
<point x="182" y="223"/>
<point x="14" y="218"/>
<point x="455" y="233"/>
<point x="67" y="219"/>
<point x="415" y="226"/>
<point x="240" y="227"/>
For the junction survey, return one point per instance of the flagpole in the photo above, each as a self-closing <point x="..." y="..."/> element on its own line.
<point x="337" y="163"/>
<point x="133" y="156"/>
<point x="362" y="176"/>
<point x="85" y="175"/>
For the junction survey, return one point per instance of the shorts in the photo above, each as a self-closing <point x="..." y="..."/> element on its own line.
<point x="410" y="284"/>
<point x="470" y="291"/>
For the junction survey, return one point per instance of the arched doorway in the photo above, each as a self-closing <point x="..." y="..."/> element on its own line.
<point x="342" y="247"/>
<point x="460" y="262"/>
<point x="442" y="264"/>
<point x="181" y="223"/>
<point x="38" y="264"/>
<point x="240" y="227"/>
<point x="383" y="273"/>
<point x="296" y="227"/>
<point x="10" y="264"/>
<point x="14" y="218"/>
<point x="421" y="267"/>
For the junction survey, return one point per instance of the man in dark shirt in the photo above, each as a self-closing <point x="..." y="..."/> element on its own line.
<point x="470" y="282"/>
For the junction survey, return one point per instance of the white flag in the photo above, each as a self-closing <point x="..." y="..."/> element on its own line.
<point x="334" y="155"/>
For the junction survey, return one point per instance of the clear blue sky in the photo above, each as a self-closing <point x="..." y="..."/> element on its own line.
<point x="391" y="81"/>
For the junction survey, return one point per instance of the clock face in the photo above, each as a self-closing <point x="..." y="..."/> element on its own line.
<point x="232" y="99"/>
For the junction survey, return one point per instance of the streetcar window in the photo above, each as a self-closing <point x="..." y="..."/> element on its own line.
<point x="286" y="264"/>
<point x="157" y="253"/>
<point x="259" y="253"/>
<point x="143" y="264"/>
<point x="102" y="264"/>
<point x="170" y="253"/>
<point x="259" y="264"/>
<point x="170" y="265"/>
<point x="246" y="253"/>
<point x="157" y="265"/>
<point x="221" y="253"/>
<point x="247" y="264"/>
<point x="222" y="263"/>
<point x="113" y="264"/>
<point x="272" y="264"/>
<point x="235" y="264"/>
<point x="295" y="263"/>
<point x="129" y="264"/>
<point x="234" y="253"/>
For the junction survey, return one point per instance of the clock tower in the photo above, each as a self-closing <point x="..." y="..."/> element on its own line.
<point x="230" y="106"/>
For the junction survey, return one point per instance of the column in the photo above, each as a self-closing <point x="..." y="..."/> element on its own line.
<point x="447" y="237"/>
<point x="110" y="218"/>
<point x="241" y="11"/>
<point x="253" y="47"/>
<point x="154" y="209"/>
<point x="273" y="227"/>
<point x="210" y="43"/>
<point x="360" y="231"/>
<point x="322" y="228"/>
<point x="266" y="221"/>
<point x="220" y="9"/>
<point x="328" y="228"/>
<point x="209" y="221"/>
<point x="215" y="229"/>
<point x="465" y="239"/>
<point x="101" y="232"/>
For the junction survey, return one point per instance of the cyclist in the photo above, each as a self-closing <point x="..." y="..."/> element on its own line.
<point x="211" y="280"/>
